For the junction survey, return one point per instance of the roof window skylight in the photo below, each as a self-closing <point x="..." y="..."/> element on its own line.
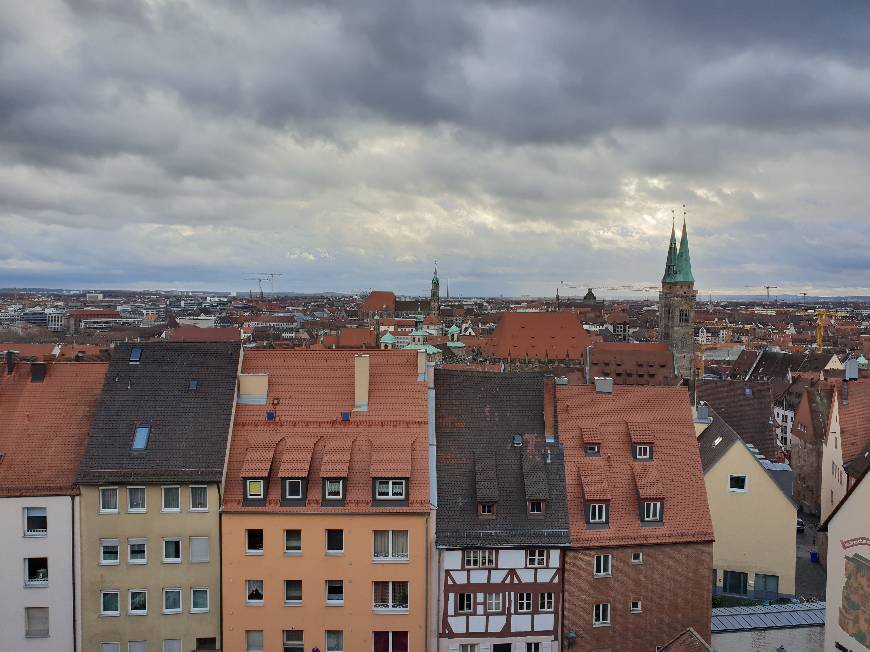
<point x="136" y="354"/>
<point x="140" y="438"/>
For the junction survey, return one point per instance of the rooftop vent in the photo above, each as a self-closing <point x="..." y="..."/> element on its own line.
<point x="851" y="369"/>
<point x="518" y="440"/>
<point x="604" y="385"/>
<point x="703" y="412"/>
<point x="37" y="371"/>
<point x="10" y="361"/>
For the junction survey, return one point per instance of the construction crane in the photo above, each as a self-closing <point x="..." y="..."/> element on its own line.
<point x="821" y="317"/>
<point x="616" y="288"/>
<point x="259" y="277"/>
<point x="766" y="287"/>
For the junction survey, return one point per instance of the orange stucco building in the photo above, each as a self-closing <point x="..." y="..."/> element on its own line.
<point x="325" y="524"/>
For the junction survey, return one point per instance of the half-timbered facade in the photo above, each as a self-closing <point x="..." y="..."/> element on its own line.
<point x="502" y="515"/>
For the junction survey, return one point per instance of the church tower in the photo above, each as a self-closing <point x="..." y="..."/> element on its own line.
<point x="677" y="304"/>
<point x="435" y="294"/>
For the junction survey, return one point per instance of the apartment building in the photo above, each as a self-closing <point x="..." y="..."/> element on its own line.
<point x="45" y="414"/>
<point x="150" y="498"/>
<point x="502" y="521"/>
<point x="325" y="526"/>
<point x="639" y="566"/>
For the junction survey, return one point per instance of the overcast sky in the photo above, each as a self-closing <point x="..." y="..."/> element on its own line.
<point x="347" y="145"/>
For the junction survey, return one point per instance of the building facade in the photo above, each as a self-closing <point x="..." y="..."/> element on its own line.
<point x="150" y="484"/>
<point x="677" y="305"/>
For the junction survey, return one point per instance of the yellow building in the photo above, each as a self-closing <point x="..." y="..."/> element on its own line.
<point x="325" y="524"/>
<point x="754" y="518"/>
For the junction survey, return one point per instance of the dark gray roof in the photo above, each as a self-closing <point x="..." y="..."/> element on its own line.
<point x="747" y="407"/>
<point x="774" y="616"/>
<point x="477" y="417"/>
<point x="189" y="427"/>
<point x="715" y="441"/>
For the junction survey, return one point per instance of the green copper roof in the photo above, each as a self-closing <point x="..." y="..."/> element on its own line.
<point x="453" y="330"/>
<point x="388" y="337"/>
<point x="678" y="267"/>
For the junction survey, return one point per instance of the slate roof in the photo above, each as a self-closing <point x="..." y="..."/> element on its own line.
<point x="196" y="334"/>
<point x="673" y="474"/>
<point x="774" y="616"/>
<point x="307" y="438"/>
<point x="189" y="427"/>
<point x="750" y="416"/>
<point x="44" y="426"/>
<point x="478" y="415"/>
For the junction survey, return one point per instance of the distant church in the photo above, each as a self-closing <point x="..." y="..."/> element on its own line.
<point x="677" y="304"/>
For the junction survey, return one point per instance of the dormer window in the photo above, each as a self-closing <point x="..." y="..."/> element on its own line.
<point x="333" y="489"/>
<point x="537" y="507"/>
<point x="486" y="509"/>
<point x="135" y="355"/>
<point x="596" y="513"/>
<point x="390" y="489"/>
<point x="140" y="437"/>
<point x="592" y="450"/>
<point x="643" y="451"/>
<point x="292" y="489"/>
<point x="652" y="511"/>
<point x="193" y="384"/>
<point x="255" y="489"/>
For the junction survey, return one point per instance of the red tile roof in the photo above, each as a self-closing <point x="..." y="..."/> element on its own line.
<point x="195" y="334"/>
<point x="379" y="301"/>
<point x="854" y="418"/>
<point x="26" y="350"/>
<point x="44" y="426"/>
<point x="308" y="436"/>
<point x="673" y="474"/>
<point x="538" y="336"/>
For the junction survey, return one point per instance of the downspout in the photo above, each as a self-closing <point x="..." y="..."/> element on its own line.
<point x="433" y="503"/>
<point x="72" y="508"/>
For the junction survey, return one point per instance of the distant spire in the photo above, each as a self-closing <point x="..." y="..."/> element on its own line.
<point x="678" y="268"/>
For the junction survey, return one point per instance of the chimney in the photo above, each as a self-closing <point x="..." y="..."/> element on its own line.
<point x="10" y="362"/>
<point x="361" y="382"/>
<point x="844" y="395"/>
<point x="37" y="371"/>
<point x="421" y="365"/>
<point x="703" y="412"/>
<point x="603" y="385"/>
<point x="851" y="369"/>
<point x="549" y="408"/>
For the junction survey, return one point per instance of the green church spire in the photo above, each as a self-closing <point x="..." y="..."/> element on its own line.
<point x="678" y="268"/>
<point x="671" y="262"/>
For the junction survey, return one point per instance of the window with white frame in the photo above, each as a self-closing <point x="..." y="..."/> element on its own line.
<point x="637" y="558"/>
<point x="598" y="512"/>
<point x="254" y="541"/>
<point x="334" y="490"/>
<point x="536" y="507"/>
<point x="110" y="647"/>
<point x="254" y="640"/>
<point x="136" y="500"/>
<point x="334" y="592"/>
<point x="36" y="622"/>
<point x="390" y="489"/>
<point x="524" y="602"/>
<point x="334" y="542"/>
<point x="494" y="603"/>
<point x="138" y="602"/>
<point x="109" y="552"/>
<point x="533" y="646"/>
<point x="171" y="499"/>
<point x="392" y="641"/>
<point x="334" y="640"/>
<point x="293" y="592"/>
<point x="464" y="603"/>
<point x="292" y="541"/>
<point x="479" y="558"/>
<point x="35" y="522"/>
<point x="642" y="451"/>
<point x="172" y="550"/>
<point x="109" y="500"/>
<point x="390" y="545"/>
<point x="137" y="551"/>
<point x="199" y="600"/>
<point x="737" y="483"/>
<point x="171" y="645"/>
<point x="602" y="565"/>
<point x="468" y="647"/>
<point x="293" y="489"/>
<point x="110" y="603"/>
<point x="172" y="601"/>
<point x="293" y="640"/>
<point x="36" y="571"/>
<point x="198" y="498"/>
<point x="254" y="489"/>
<point x="137" y="646"/>
<point x="592" y="450"/>
<point x="546" y="601"/>
<point x="536" y="557"/>
<point x="635" y="606"/>
<point x="601" y="615"/>
<point x="199" y="553"/>
<point x="389" y="596"/>
<point x="652" y="510"/>
<point x="254" y="592"/>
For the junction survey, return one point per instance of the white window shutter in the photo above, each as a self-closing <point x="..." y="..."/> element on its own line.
<point x="545" y="646"/>
<point x="484" y="647"/>
<point x="453" y="648"/>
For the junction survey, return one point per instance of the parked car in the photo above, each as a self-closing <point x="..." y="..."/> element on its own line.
<point x="800" y="525"/>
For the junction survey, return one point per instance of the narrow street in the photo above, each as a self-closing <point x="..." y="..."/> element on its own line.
<point x="809" y="577"/>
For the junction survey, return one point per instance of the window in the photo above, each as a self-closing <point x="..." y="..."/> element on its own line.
<point x="198" y="600"/>
<point x="254" y="640"/>
<point x="140" y="437"/>
<point x="36" y="622"/>
<point x="737" y="483"/>
<point x="293" y="592"/>
<point x="137" y="551"/>
<point x="390" y="641"/>
<point x="137" y="646"/>
<point x="468" y="647"/>
<point x="110" y="647"/>
<point x="138" y="604"/>
<point x="35" y="522"/>
<point x="536" y="507"/>
<point x="480" y="558"/>
<point x="254" y="489"/>
<point x="524" y="602"/>
<point x="199" y="553"/>
<point x="334" y="640"/>
<point x="464" y="603"/>
<point x="293" y="640"/>
<point x="335" y="592"/>
<point x="642" y="452"/>
<point x="598" y="512"/>
<point x="546" y="601"/>
<point x="193" y="384"/>
<point x="171" y="645"/>
<point x="601" y="615"/>
<point x="136" y="500"/>
<point x="486" y="509"/>
<point x="635" y="606"/>
<point x="172" y="551"/>
<point x="172" y="601"/>
<point x="254" y="591"/>
<point x="592" y="450"/>
<point x="171" y="499"/>
<point x="747" y="391"/>
<point x="110" y="603"/>
<point x="334" y="541"/>
<point x="533" y="647"/>
<point x="198" y="498"/>
<point x="135" y="354"/>
<point x="292" y="489"/>
<point x="36" y="571"/>
<point x="334" y="490"/>
<point x="390" y="489"/>
<point x="293" y="541"/>
<point x="766" y="585"/>
<point x="254" y="542"/>
<point x="652" y="511"/>
<point x="536" y="557"/>
<point x="494" y="603"/>
<point x="734" y="582"/>
<point x="389" y="596"/>
<point x="637" y="558"/>
<point x="602" y="565"/>
<point x="109" y="500"/>
<point x="109" y="553"/>
<point x="390" y="545"/>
